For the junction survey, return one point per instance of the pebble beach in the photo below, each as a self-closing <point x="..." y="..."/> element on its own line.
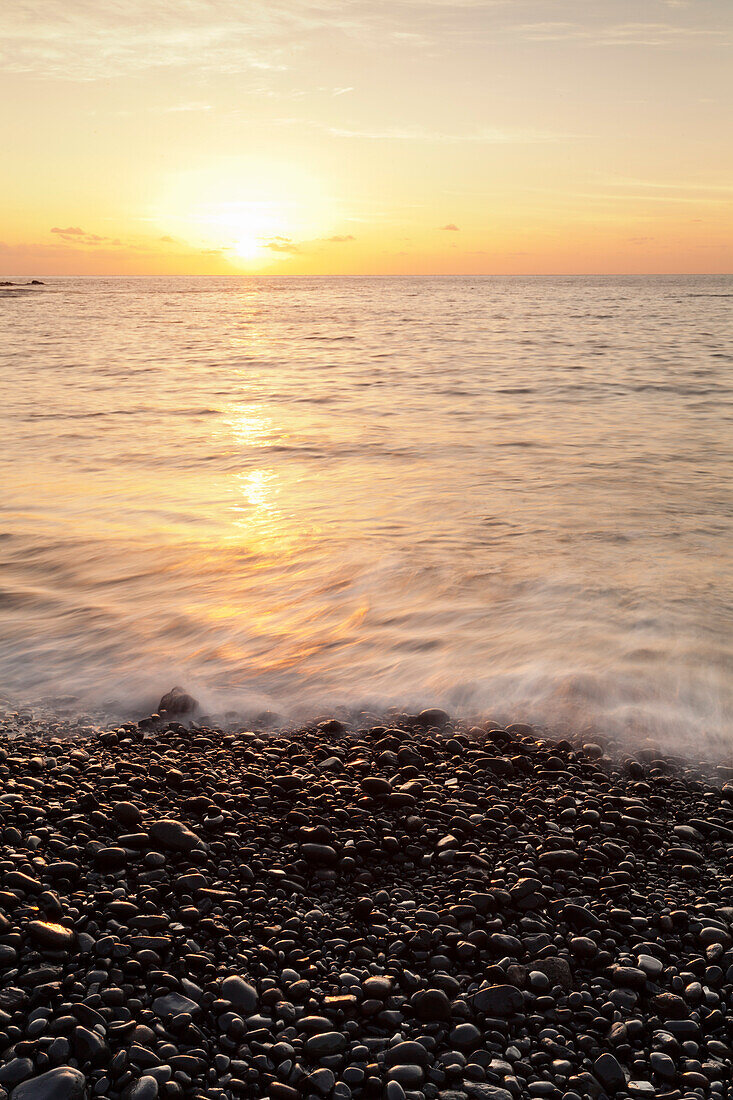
<point x="415" y="910"/>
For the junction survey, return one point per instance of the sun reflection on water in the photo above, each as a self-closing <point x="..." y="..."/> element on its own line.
<point x="249" y="426"/>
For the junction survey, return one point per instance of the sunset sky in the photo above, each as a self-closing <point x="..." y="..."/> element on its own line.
<point x="365" y="136"/>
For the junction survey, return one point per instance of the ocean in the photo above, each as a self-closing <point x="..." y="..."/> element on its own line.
<point x="510" y="497"/>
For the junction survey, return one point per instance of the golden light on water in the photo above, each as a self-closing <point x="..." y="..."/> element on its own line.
<point x="249" y="426"/>
<point x="257" y="492"/>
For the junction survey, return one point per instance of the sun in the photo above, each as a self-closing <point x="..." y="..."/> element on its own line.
<point x="246" y="227"/>
<point x="247" y="247"/>
<point x="249" y="209"/>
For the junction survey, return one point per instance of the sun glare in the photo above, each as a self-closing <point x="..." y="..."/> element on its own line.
<point x="249" y="209"/>
<point x="246" y="227"/>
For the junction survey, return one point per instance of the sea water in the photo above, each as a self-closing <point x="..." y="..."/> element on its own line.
<point x="507" y="496"/>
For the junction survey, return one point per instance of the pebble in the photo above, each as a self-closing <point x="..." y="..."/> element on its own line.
<point x="239" y="993"/>
<point x="62" y="1083"/>
<point x="412" y="909"/>
<point x="173" y="835"/>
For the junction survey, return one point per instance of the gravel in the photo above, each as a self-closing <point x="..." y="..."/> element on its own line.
<point x="416" y="910"/>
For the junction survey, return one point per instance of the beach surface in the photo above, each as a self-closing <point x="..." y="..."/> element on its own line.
<point x="416" y="910"/>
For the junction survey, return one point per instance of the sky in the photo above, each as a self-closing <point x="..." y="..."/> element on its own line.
<point x="304" y="137"/>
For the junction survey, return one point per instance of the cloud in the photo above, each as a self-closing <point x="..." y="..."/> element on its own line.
<point x="487" y="135"/>
<point x="96" y="39"/>
<point x="76" y="235"/>
<point x="450" y="227"/>
<point x="619" y="34"/>
<point x="180" y="108"/>
<point x="84" y="40"/>
<point x="282" y="244"/>
<point x="338" y="239"/>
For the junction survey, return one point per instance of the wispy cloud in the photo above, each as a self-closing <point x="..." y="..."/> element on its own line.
<point x="341" y="239"/>
<point x="98" y="39"/>
<point x="488" y="135"/>
<point x="183" y="108"/>
<point x="76" y="235"/>
<point x="654" y="34"/>
<point x="450" y="227"/>
<point x="282" y="244"/>
<point x="89" y="39"/>
<point x="681" y="186"/>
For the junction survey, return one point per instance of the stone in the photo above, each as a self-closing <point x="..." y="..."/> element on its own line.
<point x="61" y="1083"/>
<point x="406" y="1053"/>
<point x="240" y="993"/>
<point x="325" y="1044"/>
<point x="177" y="702"/>
<point x="145" y="1088"/>
<point x="608" y="1071"/>
<point x="433" y="716"/>
<point x="172" y="1004"/>
<point x="498" y="1000"/>
<point x="174" y="835"/>
<point x="431" y="1004"/>
<point x="54" y="937"/>
<point x="15" y="1070"/>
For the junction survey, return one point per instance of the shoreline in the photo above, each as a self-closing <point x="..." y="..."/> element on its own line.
<point x="418" y="911"/>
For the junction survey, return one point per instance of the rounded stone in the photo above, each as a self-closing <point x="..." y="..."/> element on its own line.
<point x="62" y="1083"/>
<point x="239" y="993"/>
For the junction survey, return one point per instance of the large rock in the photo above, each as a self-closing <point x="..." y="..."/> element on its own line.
<point x="431" y="1004"/>
<point x="174" y="835"/>
<point x="563" y="860"/>
<point x="498" y="1000"/>
<point x="325" y="1044"/>
<point x="54" y="937"/>
<point x="145" y="1088"/>
<point x="172" y="1004"/>
<point x="556" y="970"/>
<point x="407" y="1053"/>
<point x="177" y="702"/>
<point x="433" y="716"/>
<point x="239" y="993"/>
<point x="62" y="1083"/>
<point x="480" y="1090"/>
<point x="608" y="1071"/>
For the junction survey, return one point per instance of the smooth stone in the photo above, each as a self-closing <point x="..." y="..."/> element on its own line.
<point x="62" y="1083"/>
<point x="431" y="1004"/>
<point x="174" y="835"/>
<point x="608" y="1071"/>
<point x="172" y="1004"/>
<point x="498" y="1000"/>
<point x="326" y="1043"/>
<point x="406" y="1053"/>
<point x="17" y="1069"/>
<point x="240" y="993"/>
<point x="145" y="1088"/>
<point x="53" y="936"/>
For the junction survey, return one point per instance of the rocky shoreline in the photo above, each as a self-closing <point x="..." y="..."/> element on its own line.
<point x="416" y="911"/>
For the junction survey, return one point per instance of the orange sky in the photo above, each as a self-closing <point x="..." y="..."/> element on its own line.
<point x="366" y="136"/>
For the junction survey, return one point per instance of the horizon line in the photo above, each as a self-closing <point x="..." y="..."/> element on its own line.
<point x="386" y="275"/>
